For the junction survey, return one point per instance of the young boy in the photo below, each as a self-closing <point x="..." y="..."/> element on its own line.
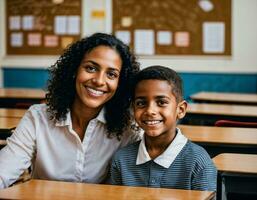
<point x="164" y="157"/>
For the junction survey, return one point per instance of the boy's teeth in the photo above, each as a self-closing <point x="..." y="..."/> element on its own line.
<point x="152" y="122"/>
<point x="95" y="92"/>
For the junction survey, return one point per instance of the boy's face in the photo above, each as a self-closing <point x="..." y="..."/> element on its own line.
<point x="156" y="110"/>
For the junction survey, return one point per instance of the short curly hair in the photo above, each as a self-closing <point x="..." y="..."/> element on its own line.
<point x="61" y="88"/>
<point x="158" y="72"/>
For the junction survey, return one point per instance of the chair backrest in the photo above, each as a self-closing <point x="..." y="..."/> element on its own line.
<point x="231" y="123"/>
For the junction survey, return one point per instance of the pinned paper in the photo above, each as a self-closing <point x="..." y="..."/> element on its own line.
<point x="14" y="22"/>
<point x="164" y="37"/>
<point x="73" y="27"/>
<point x="51" y="41"/>
<point x="65" y="41"/>
<point x="60" y="25"/>
<point x="16" y="39"/>
<point x="206" y="5"/>
<point x="34" y="39"/>
<point x="144" y="42"/>
<point x="124" y="36"/>
<point x="98" y="14"/>
<point x="182" y="39"/>
<point x="213" y="37"/>
<point x="27" y="22"/>
<point x="126" y="21"/>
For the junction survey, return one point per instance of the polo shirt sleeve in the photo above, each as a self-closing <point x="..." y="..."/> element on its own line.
<point x="205" y="178"/>
<point x="115" y="173"/>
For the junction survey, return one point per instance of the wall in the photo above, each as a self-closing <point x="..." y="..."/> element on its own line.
<point x="242" y="63"/>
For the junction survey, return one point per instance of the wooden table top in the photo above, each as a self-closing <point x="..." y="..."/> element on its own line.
<point x="222" y="135"/>
<point x="40" y="189"/>
<point x="23" y="93"/>
<point x="225" y="97"/>
<point x="237" y="163"/>
<point x="2" y="142"/>
<point x="12" y="112"/>
<point x="222" y="109"/>
<point x="9" y="122"/>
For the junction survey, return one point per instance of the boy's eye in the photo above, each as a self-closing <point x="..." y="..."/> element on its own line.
<point x="90" y="69"/>
<point x="112" y="75"/>
<point x="139" y="103"/>
<point x="162" y="102"/>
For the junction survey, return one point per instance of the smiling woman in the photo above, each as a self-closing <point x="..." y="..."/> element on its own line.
<point x="85" y="120"/>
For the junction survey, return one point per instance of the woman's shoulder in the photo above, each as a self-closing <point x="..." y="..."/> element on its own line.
<point x="38" y="110"/>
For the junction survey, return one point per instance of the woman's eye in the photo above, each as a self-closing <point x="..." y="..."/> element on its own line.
<point x="90" y="69"/>
<point x="112" y="75"/>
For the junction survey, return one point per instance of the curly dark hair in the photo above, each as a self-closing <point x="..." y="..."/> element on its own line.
<point x="61" y="89"/>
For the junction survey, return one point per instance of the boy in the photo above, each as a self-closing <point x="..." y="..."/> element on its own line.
<point x="164" y="157"/>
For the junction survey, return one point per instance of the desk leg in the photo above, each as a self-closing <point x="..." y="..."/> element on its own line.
<point x="219" y="186"/>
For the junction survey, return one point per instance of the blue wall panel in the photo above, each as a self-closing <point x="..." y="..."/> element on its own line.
<point x="193" y="82"/>
<point x="25" y="78"/>
<point x="196" y="82"/>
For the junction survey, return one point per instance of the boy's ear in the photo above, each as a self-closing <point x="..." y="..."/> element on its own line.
<point x="181" y="109"/>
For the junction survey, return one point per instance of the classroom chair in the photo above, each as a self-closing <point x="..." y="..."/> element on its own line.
<point x="231" y="123"/>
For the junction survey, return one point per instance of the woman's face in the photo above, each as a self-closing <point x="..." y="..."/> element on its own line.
<point x="98" y="77"/>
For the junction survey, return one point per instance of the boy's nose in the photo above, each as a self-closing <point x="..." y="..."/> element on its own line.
<point x="151" y="109"/>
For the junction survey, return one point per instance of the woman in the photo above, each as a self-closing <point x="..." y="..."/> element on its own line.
<point x="85" y="120"/>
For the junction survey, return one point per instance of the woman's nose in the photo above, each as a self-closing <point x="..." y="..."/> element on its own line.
<point x="99" y="79"/>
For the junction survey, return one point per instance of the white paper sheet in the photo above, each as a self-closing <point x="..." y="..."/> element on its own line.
<point x="124" y="36"/>
<point x="14" y="22"/>
<point x="60" y="25"/>
<point x="27" y="22"/>
<point x="144" y="42"/>
<point x="164" y="37"/>
<point x="213" y="37"/>
<point x="73" y="25"/>
<point x="16" y="39"/>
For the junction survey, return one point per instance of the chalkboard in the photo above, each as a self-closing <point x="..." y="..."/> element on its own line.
<point x="174" y="27"/>
<point x="42" y="27"/>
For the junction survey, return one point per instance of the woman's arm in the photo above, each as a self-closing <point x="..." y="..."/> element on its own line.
<point x="17" y="155"/>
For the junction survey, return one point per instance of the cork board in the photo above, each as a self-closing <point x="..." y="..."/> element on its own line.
<point x="41" y="27"/>
<point x="174" y="27"/>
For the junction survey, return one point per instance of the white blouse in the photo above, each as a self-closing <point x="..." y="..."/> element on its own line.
<point x="56" y="152"/>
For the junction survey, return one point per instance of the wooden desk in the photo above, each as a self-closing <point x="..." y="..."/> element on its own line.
<point x="225" y="98"/>
<point x="10" y="97"/>
<point x="12" y="112"/>
<point x="238" y="173"/>
<point x="218" y="140"/>
<point x="6" y="126"/>
<point x="40" y="189"/>
<point x="208" y="114"/>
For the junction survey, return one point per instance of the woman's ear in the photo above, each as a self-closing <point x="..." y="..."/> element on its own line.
<point x="181" y="109"/>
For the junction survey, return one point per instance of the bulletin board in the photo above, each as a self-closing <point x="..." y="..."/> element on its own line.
<point x="42" y="27"/>
<point x="174" y="27"/>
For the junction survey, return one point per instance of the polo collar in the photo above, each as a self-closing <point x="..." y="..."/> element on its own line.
<point x="168" y="156"/>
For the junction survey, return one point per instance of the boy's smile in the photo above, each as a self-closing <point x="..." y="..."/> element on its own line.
<point x="156" y="109"/>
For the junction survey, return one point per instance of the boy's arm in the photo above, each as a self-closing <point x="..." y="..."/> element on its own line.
<point x="205" y="179"/>
<point x="115" y="175"/>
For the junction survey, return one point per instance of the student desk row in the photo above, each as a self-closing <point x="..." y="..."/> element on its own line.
<point x="23" y="97"/>
<point x="40" y="189"/>
<point x="218" y="140"/>
<point x="237" y="174"/>
<point x="208" y="114"/>
<point x="225" y="98"/>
